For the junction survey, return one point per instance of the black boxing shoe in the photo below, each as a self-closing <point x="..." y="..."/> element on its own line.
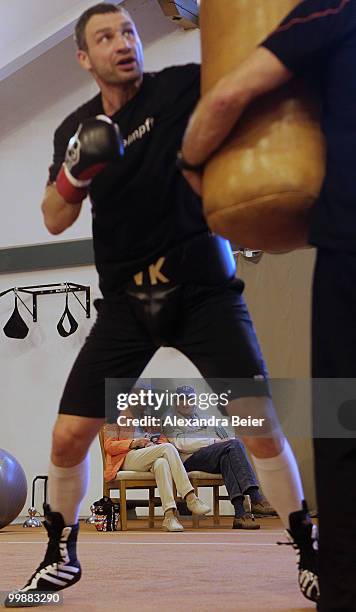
<point x="60" y="567"/>
<point x="303" y="536"/>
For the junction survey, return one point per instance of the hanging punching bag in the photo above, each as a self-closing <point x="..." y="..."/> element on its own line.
<point x="260" y="186"/>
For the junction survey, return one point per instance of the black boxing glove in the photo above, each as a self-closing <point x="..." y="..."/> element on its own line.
<point x="96" y="143"/>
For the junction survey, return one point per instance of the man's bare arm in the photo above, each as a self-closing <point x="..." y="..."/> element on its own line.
<point x="219" y="109"/>
<point x="58" y="214"/>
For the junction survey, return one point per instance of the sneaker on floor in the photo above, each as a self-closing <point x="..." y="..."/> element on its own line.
<point x="246" y="521"/>
<point x="60" y="567"/>
<point x="197" y="506"/>
<point x="263" y="509"/>
<point x="303" y="537"/>
<point x="171" y="523"/>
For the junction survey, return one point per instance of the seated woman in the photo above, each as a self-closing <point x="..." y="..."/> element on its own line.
<point x="129" y="448"/>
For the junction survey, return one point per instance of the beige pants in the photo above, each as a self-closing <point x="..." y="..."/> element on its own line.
<point x="164" y="461"/>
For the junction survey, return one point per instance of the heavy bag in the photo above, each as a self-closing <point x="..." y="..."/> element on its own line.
<point x="260" y="186"/>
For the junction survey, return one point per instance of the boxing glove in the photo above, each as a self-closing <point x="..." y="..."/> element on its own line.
<point x="96" y="143"/>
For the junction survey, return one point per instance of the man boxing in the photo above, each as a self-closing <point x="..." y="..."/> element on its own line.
<point x="165" y="279"/>
<point x="318" y="37"/>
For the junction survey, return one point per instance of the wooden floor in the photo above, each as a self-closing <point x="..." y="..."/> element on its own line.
<point x="207" y="570"/>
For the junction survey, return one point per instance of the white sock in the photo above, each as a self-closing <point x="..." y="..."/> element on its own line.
<point x="281" y="483"/>
<point x="67" y="487"/>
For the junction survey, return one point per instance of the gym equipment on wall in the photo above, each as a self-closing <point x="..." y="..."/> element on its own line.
<point x="16" y="326"/>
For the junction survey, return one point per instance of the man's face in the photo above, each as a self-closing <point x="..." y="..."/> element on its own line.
<point x="114" y="51"/>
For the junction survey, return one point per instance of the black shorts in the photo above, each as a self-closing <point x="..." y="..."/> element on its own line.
<point x="214" y="330"/>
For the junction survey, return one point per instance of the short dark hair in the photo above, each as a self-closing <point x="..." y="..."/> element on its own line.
<point x="97" y="9"/>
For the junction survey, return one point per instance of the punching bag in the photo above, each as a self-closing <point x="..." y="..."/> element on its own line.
<point x="260" y="186"/>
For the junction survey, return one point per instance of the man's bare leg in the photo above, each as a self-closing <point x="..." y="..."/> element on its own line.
<point x="68" y="479"/>
<point x="275" y="463"/>
<point x="68" y="473"/>
<point x="279" y="476"/>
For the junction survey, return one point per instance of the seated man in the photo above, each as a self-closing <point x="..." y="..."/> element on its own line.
<point x="130" y="448"/>
<point x="211" y="450"/>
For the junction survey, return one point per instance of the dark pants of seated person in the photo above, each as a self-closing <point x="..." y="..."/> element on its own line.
<point x="229" y="459"/>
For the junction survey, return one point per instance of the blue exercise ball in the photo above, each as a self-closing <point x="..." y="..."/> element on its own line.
<point x="13" y="488"/>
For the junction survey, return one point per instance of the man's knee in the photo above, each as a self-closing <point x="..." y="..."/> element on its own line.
<point x="237" y="445"/>
<point x="264" y="447"/>
<point x="160" y="464"/>
<point x="69" y="443"/>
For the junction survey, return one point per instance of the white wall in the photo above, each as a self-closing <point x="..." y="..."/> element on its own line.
<point x="33" y="371"/>
<point x="28" y="29"/>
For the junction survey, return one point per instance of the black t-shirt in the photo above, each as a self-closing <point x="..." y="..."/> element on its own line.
<point x="320" y="35"/>
<point x="142" y="206"/>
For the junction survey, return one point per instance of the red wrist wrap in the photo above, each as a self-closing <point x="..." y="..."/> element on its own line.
<point x="70" y="193"/>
